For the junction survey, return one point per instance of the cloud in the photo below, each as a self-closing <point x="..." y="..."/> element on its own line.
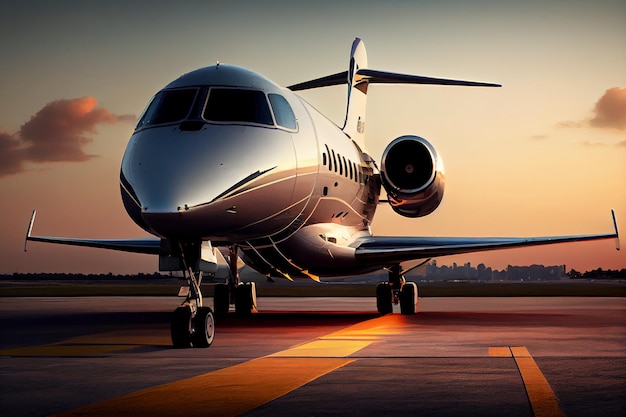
<point x="609" y="112"/>
<point x="58" y="132"/>
<point x="11" y="161"/>
<point x="621" y="144"/>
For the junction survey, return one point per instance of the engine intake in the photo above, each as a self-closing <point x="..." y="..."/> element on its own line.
<point x="412" y="174"/>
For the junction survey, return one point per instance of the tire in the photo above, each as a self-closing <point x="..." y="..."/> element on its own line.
<point x="221" y="299"/>
<point x="204" y="328"/>
<point x="245" y="299"/>
<point x="408" y="298"/>
<point x="180" y="329"/>
<point x="383" y="298"/>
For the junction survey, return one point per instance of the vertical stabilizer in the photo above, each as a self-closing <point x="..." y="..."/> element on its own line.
<point x="354" y="125"/>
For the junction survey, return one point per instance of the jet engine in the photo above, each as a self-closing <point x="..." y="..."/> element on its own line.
<point x="412" y="174"/>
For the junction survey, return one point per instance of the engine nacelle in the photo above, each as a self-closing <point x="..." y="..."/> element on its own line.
<point x="412" y="174"/>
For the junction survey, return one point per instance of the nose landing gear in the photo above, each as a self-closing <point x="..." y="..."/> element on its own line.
<point x="193" y="325"/>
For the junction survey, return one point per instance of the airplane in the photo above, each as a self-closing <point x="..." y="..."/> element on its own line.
<point x="225" y="160"/>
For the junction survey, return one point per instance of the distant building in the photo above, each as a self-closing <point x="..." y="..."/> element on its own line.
<point x="535" y="273"/>
<point x="466" y="272"/>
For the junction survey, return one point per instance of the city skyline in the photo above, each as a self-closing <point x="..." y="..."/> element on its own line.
<point x="430" y="271"/>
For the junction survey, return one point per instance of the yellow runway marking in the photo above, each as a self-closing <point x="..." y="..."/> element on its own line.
<point x="503" y="352"/>
<point x="235" y="390"/>
<point x="324" y="349"/>
<point x="63" y="350"/>
<point x="542" y="399"/>
<point x="373" y="329"/>
<point x="226" y="392"/>
<point x="122" y="338"/>
<point x="347" y="341"/>
<point x="241" y="388"/>
<point x="99" y="344"/>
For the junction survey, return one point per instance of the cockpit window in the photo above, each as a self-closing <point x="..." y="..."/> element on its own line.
<point x="282" y="111"/>
<point x="168" y="106"/>
<point x="235" y="105"/>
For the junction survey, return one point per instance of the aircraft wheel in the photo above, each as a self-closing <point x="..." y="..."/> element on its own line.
<point x="245" y="299"/>
<point x="204" y="328"/>
<point x="408" y="298"/>
<point x="221" y="299"/>
<point x="383" y="298"/>
<point x="180" y="329"/>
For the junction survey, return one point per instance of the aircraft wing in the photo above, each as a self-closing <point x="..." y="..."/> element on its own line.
<point x="393" y="249"/>
<point x="142" y="245"/>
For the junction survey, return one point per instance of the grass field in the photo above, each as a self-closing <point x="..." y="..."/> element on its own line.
<point x="430" y="289"/>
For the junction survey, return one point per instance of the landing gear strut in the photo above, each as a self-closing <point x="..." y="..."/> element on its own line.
<point x="193" y="325"/>
<point x="396" y="291"/>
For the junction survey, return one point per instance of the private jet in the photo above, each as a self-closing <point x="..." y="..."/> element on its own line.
<point x="226" y="166"/>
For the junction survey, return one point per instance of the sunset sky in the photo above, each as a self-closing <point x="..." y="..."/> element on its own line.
<point x="544" y="155"/>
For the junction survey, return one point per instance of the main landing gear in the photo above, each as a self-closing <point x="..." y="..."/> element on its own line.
<point x="396" y="291"/>
<point x="241" y="294"/>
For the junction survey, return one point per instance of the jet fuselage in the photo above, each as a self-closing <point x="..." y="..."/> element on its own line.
<point x="211" y="148"/>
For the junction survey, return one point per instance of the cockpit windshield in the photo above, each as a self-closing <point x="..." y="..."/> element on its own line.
<point x="223" y="105"/>
<point x="282" y="111"/>
<point x="168" y="106"/>
<point x="237" y="105"/>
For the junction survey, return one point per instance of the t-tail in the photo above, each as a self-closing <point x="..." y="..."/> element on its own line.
<point x="359" y="76"/>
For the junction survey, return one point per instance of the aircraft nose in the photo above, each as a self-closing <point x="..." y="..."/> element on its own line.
<point x="193" y="180"/>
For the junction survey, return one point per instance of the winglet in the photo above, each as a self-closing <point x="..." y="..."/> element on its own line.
<point x="30" y="228"/>
<point x="617" y="246"/>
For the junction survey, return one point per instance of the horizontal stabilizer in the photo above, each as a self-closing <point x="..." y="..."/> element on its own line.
<point x="330" y="80"/>
<point x="383" y="77"/>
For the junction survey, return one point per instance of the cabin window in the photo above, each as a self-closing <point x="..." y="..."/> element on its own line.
<point x="235" y="105"/>
<point x="340" y="166"/>
<point x="168" y="106"/>
<point x="282" y="111"/>
<point x="330" y="161"/>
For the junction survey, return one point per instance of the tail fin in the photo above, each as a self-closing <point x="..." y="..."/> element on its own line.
<point x="354" y="125"/>
<point x="358" y="77"/>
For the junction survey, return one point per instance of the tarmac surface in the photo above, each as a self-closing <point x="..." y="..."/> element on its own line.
<point x="104" y="356"/>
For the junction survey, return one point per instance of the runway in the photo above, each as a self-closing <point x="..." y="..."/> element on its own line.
<point x="104" y="356"/>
